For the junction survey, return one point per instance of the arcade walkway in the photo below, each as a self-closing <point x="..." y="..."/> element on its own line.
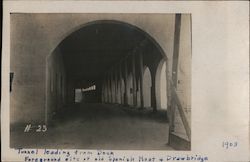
<point x="100" y="126"/>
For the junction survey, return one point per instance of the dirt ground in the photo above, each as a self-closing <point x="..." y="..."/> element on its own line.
<point x="99" y="126"/>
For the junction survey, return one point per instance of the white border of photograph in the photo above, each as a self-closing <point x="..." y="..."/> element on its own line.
<point x="220" y="71"/>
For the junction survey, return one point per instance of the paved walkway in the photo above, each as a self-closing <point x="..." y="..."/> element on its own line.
<point x="99" y="126"/>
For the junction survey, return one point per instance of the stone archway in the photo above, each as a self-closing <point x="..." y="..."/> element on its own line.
<point x="161" y="85"/>
<point x="125" y="36"/>
<point x="147" y="84"/>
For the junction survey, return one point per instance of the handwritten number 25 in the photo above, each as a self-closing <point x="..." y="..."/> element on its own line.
<point x="41" y="128"/>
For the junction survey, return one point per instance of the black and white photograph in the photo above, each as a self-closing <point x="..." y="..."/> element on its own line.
<point x="100" y="81"/>
<point x="125" y="81"/>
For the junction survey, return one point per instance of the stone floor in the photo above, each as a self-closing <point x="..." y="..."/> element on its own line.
<point x="99" y="126"/>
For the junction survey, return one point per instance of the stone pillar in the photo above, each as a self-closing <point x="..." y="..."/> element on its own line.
<point x="105" y="90"/>
<point x="141" y="78"/>
<point x="125" y="82"/>
<point x="153" y="95"/>
<point x="105" y="94"/>
<point x="116" y="86"/>
<point x="120" y="78"/>
<point x="102" y="93"/>
<point x="175" y="67"/>
<point x="134" y="79"/>
<point x="110" y="88"/>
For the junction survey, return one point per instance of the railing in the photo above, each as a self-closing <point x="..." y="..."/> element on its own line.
<point x="175" y="102"/>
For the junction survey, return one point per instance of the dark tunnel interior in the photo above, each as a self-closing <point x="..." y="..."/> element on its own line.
<point x="91" y="51"/>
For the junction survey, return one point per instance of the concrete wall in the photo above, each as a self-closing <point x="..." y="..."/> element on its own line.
<point x="35" y="36"/>
<point x="70" y="95"/>
<point x="55" y="83"/>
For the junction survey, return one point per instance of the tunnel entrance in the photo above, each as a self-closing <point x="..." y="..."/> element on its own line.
<point x="106" y="68"/>
<point x="109" y="54"/>
<point x="83" y="94"/>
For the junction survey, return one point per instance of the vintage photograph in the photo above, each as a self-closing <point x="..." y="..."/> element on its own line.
<point x="100" y="81"/>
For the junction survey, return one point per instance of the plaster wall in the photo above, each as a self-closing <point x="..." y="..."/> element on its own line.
<point x="55" y="83"/>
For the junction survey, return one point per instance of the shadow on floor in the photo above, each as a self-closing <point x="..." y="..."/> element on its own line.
<point x="99" y="126"/>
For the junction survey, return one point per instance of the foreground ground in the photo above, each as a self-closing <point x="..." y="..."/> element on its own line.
<point x="99" y="126"/>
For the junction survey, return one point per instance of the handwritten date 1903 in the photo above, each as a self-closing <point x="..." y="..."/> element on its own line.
<point x="228" y="144"/>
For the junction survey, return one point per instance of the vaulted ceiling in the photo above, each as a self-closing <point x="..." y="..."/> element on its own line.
<point x="93" y="49"/>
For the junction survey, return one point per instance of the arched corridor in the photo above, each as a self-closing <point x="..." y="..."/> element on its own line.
<point x="104" y="60"/>
<point x="102" y="53"/>
<point x="107" y="75"/>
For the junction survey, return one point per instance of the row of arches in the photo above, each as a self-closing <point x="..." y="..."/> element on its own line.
<point x="128" y="66"/>
<point x="118" y="89"/>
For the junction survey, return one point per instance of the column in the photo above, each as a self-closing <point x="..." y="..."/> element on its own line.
<point x="116" y="86"/>
<point x="141" y="78"/>
<point x="120" y="78"/>
<point x="125" y="82"/>
<point x="112" y="87"/>
<point x="134" y="79"/>
<point x="109" y="88"/>
<point x="175" y="66"/>
<point x="105" y="90"/>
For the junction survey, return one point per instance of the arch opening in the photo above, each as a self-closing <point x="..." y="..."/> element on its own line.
<point x="161" y="85"/>
<point x="147" y="84"/>
<point x="122" y="90"/>
<point x="92" y="54"/>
